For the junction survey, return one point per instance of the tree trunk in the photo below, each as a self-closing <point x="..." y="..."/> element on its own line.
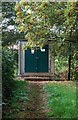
<point x="69" y="62"/>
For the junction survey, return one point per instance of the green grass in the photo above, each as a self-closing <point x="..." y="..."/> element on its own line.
<point x="61" y="99"/>
<point x="20" y="94"/>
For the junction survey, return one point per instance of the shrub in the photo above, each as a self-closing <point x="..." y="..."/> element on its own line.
<point x="7" y="72"/>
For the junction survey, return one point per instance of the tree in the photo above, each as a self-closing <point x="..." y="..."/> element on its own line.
<point x="10" y="33"/>
<point x="46" y="20"/>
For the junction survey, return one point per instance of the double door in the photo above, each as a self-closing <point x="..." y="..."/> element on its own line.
<point x="37" y="60"/>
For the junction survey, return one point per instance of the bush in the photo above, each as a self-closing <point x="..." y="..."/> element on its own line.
<point x="61" y="67"/>
<point x="7" y="73"/>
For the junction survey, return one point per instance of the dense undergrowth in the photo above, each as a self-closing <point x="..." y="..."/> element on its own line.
<point x="61" y="67"/>
<point x="19" y="94"/>
<point x="8" y="83"/>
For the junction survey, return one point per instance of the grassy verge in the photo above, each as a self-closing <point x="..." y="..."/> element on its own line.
<point x="61" y="99"/>
<point x="20" y="94"/>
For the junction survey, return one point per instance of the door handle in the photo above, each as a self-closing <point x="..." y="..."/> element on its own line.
<point x="37" y="58"/>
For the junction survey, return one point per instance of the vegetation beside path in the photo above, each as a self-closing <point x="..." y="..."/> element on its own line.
<point x="62" y="99"/>
<point x="28" y="101"/>
<point x="19" y="94"/>
<point x="48" y="99"/>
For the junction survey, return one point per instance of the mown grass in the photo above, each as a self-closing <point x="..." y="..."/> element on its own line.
<point x="62" y="99"/>
<point x="20" y="94"/>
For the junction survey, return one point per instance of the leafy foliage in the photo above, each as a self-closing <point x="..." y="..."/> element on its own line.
<point x="61" y="66"/>
<point x="7" y="72"/>
<point x="10" y="34"/>
<point x="31" y="20"/>
<point x="19" y="94"/>
<point x="45" y="21"/>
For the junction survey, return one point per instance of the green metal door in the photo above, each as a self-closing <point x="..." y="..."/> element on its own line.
<point x="43" y="60"/>
<point x="30" y="61"/>
<point x="38" y="61"/>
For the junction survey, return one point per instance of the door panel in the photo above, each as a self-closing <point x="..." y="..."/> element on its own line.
<point x="43" y="60"/>
<point x="37" y="62"/>
<point x="30" y="61"/>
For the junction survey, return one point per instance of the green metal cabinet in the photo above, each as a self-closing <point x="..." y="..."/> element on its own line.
<point x="36" y="62"/>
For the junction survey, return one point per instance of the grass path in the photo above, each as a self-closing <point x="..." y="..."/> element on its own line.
<point x="36" y="99"/>
<point x="35" y="107"/>
<point x="29" y="101"/>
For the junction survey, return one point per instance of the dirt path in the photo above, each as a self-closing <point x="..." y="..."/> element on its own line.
<point x="36" y="106"/>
